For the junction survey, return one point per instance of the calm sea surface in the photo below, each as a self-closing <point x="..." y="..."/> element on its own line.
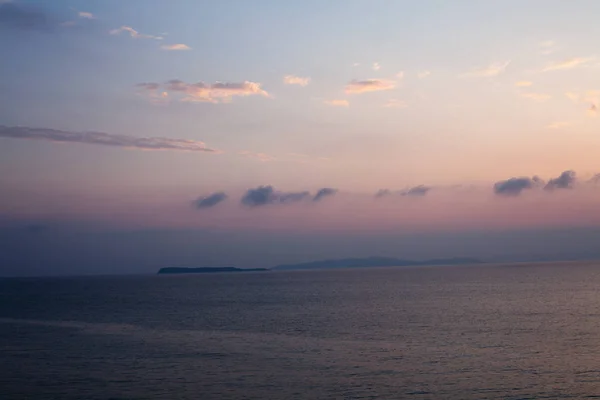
<point x="493" y="332"/>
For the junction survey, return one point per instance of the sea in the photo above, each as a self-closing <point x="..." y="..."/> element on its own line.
<point x="520" y="331"/>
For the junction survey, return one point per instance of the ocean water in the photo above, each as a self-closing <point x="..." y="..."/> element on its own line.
<point x="480" y="332"/>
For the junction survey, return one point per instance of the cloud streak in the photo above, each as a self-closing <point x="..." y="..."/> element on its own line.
<point x="133" y="33"/>
<point x="491" y="70"/>
<point x="395" y="103"/>
<point x="210" y="200"/>
<point x="415" y="191"/>
<point x="547" y="47"/>
<point x="219" y="92"/>
<point x="259" y="156"/>
<point x="566" y="64"/>
<point x="296" y="80"/>
<point x="104" y="139"/>
<point x="175" y="47"/>
<point x="324" y="192"/>
<point x="369" y="85"/>
<point x="337" y="103"/>
<point x="536" y="96"/>
<point x="590" y="97"/>
<point x="523" y="84"/>
<point x="264" y="195"/>
<point x="514" y="186"/>
<point x="86" y="15"/>
<point x="558" y="125"/>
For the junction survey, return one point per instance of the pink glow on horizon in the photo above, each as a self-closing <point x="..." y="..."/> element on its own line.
<point x="449" y="210"/>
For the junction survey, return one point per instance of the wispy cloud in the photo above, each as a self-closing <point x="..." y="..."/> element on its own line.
<point x="514" y="186"/>
<point x="369" y="85"/>
<point x="86" y="15"/>
<point x="148" y="85"/>
<point x="523" y="84"/>
<point x="491" y="70"/>
<point x="376" y="66"/>
<point x="591" y="98"/>
<point x="296" y="80"/>
<point x="210" y="200"/>
<point x="415" y="191"/>
<point x="564" y="181"/>
<point x="259" y="156"/>
<point x="536" y="96"/>
<point x="324" y="192"/>
<point x="547" y="47"/>
<point x="395" y="103"/>
<point x="154" y="92"/>
<point x="264" y="195"/>
<point x="382" y="193"/>
<point x="558" y="125"/>
<point x="133" y="33"/>
<point x="337" y="103"/>
<point x="104" y="139"/>
<point x="567" y="64"/>
<point x="423" y="74"/>
<point x="219" y="92"/>
<point x="175" y="47"/>
<point x="400" y="75"/>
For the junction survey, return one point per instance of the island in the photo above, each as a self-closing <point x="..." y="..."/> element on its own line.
<point x="367" y="262"/>
<point x="206" y="270"/>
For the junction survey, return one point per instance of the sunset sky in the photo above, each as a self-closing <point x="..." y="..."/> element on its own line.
<point x="210" y="121"/>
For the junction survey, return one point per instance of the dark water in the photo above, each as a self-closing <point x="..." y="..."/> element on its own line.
<point x="502" y="332"/>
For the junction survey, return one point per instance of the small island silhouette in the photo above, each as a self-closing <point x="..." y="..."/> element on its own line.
<point x="328" y="264"/>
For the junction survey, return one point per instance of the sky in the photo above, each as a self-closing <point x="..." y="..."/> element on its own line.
<point x="255" y="133"/>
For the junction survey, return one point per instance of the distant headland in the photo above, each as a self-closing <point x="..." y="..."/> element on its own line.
<point x="374" y="262"/>
<point x="206" y="270"/>
<point x="329" y="264"/>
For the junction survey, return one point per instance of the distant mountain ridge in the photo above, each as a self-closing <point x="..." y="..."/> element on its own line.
<point x="206" y="270"/>
<point x="374" y="262"/>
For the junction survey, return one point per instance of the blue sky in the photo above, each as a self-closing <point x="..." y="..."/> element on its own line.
<point x="378" y="95"/>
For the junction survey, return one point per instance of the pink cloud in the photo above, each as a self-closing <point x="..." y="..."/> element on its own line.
<point x="489" y="71"/>
<point x="369" y="85"/>
<point x="175" y="47"/>
<point x="86" y="15"/>
<point x="219" y="92"/>
<point x="337" y="103"/>
<point x="296" y="80"/>
<point x="395" y="103"/>
<point x="133" y="33"/>
<point x="566" y="64"/>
